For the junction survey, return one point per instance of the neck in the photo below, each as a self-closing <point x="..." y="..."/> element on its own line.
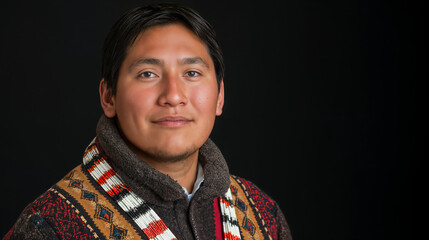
<point x="183" y="171"/>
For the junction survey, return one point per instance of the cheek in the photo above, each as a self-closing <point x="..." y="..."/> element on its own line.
<point x="135" y="103"/>
<point x="204" y="100"/>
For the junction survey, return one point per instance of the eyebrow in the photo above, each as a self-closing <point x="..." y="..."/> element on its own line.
<point x="194" y="60"/>
<point x="141" y="61"/>
<point x="156" y="61"/>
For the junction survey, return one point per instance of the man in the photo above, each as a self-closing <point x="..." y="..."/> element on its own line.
<point x="152" y="172"/>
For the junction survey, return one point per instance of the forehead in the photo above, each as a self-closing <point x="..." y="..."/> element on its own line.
<point x="164" y="41"/>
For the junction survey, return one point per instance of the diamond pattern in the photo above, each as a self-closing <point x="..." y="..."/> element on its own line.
<point x="89" y="196"/>
<point x="76" y="183"/>
<point x="248" y="225"/>
<point x="233" y="190"/>
<point x="103" y="213"/>
<point x="117" y="232"/>
<point x="240" y="204"/>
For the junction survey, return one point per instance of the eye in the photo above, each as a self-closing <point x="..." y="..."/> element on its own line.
<point x="147" y="74"/>
<point x="192" y="74"/>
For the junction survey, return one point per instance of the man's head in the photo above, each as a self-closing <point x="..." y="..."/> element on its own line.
<point x="165" y="86"/>
<point x="125" y="31"/>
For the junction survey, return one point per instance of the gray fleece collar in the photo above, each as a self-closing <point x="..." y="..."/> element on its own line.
<point x="152" y="185"/>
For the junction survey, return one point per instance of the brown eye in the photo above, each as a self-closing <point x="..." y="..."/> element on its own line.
<point x="192" y="74"/>
<point x="147" y="74"/>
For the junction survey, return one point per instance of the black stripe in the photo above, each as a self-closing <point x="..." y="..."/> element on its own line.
<point x="119" y="196"/>
<point x="139" y="211"/>
<point x="230" y="201"/>
<point x="226" y="218"/>
<point x="91" y="162"/>
<point x="114" y="203"/>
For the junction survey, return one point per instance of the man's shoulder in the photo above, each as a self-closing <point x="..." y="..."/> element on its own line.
<point x="74" y="207"/>
<point x="51" y="214"/>
<point x="54" y="202"/>
<point x="253" y="191"/>
<point x="253" y="203"/>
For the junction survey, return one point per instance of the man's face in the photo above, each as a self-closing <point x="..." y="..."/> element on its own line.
<point x="167" y="96"/>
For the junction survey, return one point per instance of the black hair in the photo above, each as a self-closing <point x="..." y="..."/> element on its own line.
<point x="128" y="27"/>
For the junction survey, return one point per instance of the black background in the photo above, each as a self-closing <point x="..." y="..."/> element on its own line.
<point x="326" y="104"/>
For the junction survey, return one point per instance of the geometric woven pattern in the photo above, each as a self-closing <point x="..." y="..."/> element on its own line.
<point x="240" y="204"/>
<point x="117" y="232"/>
<point x="248" y="225"/>
<point x="265" y="206"/>
<point x="259" y="216"/>
<point x="101" y="212"/>
<point x="147" y="219"/>
<point x="75" y="183"/>
<point x="61" y="215"/>
<point x="89" y="196"/>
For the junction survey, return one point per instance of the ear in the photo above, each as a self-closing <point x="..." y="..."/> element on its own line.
<point x="107" y="100"/>
<point x="220" y="99"/>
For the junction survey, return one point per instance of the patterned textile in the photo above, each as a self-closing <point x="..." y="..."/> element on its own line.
<point x="264" y="205"/>
<point x="256" y="211"/>
<point x="231" y="230"/>
<point x="81" y="206"/>
<point x="53" y="207"/>
<point x="76" y="208"/>
<point x="107" y="218"/>
<point x="147" y="219"/>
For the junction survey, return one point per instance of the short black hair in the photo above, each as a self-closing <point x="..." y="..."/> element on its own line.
<point x="128" y="27"/>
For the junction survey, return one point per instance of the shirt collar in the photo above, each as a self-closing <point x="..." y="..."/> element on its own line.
<point x="197" y="184"/>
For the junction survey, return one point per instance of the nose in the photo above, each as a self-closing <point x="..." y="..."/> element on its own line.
<point x="172" y="92"/>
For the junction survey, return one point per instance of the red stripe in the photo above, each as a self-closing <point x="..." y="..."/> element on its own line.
<point x="217" y="219"/>
<point x="102" y="180"/>
<point x="96" y="162"/>
<point x="224" y="201"/>
<point x="89" y="150"/>
<point x="230" y="236"/>
<point x="154" y="229"/>
<point x="117" y="189"/>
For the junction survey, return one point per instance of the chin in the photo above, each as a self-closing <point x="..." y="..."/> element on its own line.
<point x="165" y="154"/>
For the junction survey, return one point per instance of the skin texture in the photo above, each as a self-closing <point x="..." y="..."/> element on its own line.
<point x="167" y="99"/>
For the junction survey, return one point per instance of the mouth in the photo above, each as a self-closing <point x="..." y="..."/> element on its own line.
<point x="172" y="121"/>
